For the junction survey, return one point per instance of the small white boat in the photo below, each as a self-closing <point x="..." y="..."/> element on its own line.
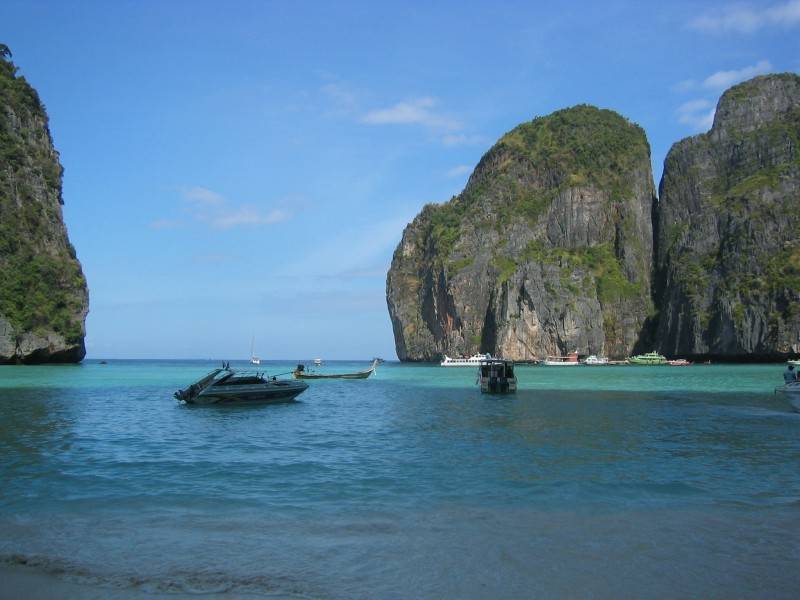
<point x="254" y="360"/>
<point x="473" y="361"/>
<point x="594" y="360"/>
<point x="679" y="362"/>
<point x="796" y="363"/>
<point x="318" y="361"/>
<point x="570" y="360"/>
<point x="792" y="393"/>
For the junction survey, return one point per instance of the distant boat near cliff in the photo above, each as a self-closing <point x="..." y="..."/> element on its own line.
<point x="650" y="358"/>
<point x="570" y="360"/>
<point x="473" y="361"/>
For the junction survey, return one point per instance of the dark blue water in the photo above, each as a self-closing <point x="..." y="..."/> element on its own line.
<point x="601" y="482"/>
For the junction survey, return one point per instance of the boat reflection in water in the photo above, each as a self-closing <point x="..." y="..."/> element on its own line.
<point x="226" y="386"/>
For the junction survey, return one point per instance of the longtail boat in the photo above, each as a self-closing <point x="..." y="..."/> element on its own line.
<point x="301" y="373"/>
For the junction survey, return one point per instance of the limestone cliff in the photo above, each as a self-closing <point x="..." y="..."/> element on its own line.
<point x="43" y="294"/>
<point x="728" y="235"/>
<point x="547" y="250"/>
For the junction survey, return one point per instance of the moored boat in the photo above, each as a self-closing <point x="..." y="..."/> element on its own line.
<point x="593" y="360"/>
<point x="679" y="362"/>
<point x="226" y="386"/>
<point x="254" y="360"/>
<point x="570" y="360"/>
<point x="301" y="373"/>
<point x="796" y="363"/>
<point x="472" y="361"/>
<point x="496" y="376"/>
<point x="650" y="358"/>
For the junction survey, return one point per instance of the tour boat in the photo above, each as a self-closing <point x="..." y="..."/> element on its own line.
<point x="226" y="386"/>
<point x="473" y="361"/>
<point x="570" y="360"/>
<point x="301" y="373"/>
<point x="651" y="358"/>
<point x="792" y="392"/>
<point x="318" y="361"/>
<point x="679" y="362"/>
<point x="496" y="376"/>
<point x="593" y="360"/>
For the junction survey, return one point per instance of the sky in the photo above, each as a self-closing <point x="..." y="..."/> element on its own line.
<point x="239" y="171"/>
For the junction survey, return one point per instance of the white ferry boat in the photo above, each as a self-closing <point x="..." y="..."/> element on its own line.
<point x="472" y="361"/>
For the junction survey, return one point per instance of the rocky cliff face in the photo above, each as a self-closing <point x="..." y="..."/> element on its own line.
<point x="43" y="295"/>
<point x="728" y="235"/>
<point x="547" y="250"/>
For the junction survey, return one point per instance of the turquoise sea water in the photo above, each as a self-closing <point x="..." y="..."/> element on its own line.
<point x="589" y="482"/>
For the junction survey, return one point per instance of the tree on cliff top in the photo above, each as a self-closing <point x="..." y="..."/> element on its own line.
<point x="5" y="52"/>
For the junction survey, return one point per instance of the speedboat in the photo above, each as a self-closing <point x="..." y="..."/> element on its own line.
<point x="472" y="361"/>
<point x="226" y="386"/>
<point x="651" y="358"/>
<point x="792" y="392"/>
<point x="496" y="376"/>
<point x="593" y="360"/>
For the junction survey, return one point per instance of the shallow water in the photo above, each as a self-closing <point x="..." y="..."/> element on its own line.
<point x="590" y="481"/>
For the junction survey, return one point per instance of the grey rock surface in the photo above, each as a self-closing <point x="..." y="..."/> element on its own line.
<point x="728" y="234"/>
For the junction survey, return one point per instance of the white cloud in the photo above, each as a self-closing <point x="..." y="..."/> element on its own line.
<point x="687" y="85"/>
<point x="247" y="215"/>
<point x="459" y="170"/>
<point x="202" y="196"/>
<point x="211" y="208"/>
<point x="420" y="111"/>
<point x="747" y="19"/>
<point x="697" y="114"/>
<point x="724" y="79"/>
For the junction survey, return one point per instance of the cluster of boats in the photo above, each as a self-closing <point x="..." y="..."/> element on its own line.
<point x="573" y="360"/>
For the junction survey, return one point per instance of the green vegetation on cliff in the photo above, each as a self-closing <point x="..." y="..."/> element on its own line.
<point x="42" y="287"/>
<point x="582" y="146"/>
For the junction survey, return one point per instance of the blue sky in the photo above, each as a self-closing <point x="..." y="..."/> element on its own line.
<point x="246" y="169"/>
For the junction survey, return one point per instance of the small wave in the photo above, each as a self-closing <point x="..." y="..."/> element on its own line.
<point x="174" y="582"/>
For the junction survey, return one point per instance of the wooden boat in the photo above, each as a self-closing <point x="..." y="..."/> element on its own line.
<point x="496" y="376"/>
<point x="570" y="360"/>
<point x="226" y="386"/>
<point x="301" y="373"/>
